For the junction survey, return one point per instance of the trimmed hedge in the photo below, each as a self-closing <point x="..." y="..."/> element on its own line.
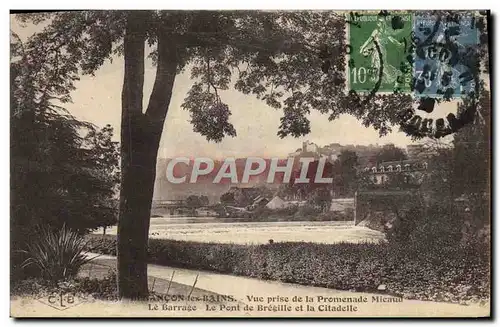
<point x="450" y="274"/>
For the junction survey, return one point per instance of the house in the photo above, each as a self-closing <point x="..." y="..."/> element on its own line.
<point x="243" y="195"/>
<point x="236" y="209"/>
<point x="381" y="173"/>
<point x="295" y="154"/>
<point x="420" y="151"/>
<point x="296" y="203"/>
<point x="342" y="205"/>
<point x="277" y="203"/>
<point x="206" y="211"/>
<point x="260" y="201"/>
<point x="309" y="147"/>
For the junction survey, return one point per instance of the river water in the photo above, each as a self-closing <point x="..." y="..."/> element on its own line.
<point x="238" y="231"/>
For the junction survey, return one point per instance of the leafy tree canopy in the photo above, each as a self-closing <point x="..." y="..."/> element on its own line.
<point x="277" y="56"/>
<point x="390" y="152"/>
<point x="63" y="171"/>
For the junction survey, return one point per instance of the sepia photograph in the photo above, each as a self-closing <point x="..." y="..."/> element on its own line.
<point x="250" y="163"/>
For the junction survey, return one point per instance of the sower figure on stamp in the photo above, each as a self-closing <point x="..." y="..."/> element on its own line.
<point x="446" y="75"/>
<point x="382" y="35"/>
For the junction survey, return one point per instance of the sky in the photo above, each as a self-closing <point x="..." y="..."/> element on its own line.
<point x="97" y="99"/>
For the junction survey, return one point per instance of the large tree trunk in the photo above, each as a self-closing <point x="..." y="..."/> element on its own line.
<point x="138" y="175"/>
<point x="140" y="138"/>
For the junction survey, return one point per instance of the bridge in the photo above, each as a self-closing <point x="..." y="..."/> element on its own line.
<point x="168" y="203"/>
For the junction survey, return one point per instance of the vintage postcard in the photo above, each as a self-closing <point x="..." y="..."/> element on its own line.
<point x="250" y="163"/>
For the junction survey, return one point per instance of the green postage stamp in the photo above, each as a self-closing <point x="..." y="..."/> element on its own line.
<point x="380" y="46"/>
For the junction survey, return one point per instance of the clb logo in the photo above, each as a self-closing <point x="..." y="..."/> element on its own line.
<point x="62" y="301"/>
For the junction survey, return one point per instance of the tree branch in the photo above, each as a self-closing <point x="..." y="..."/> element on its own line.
<point x="134" y="42"/>
<point x="209" y="79"/>
<point x="166" y="71"/>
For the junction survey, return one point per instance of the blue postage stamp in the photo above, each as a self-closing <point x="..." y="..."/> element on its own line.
<point x="445" y="52"/>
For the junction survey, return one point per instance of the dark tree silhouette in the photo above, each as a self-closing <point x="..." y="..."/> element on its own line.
<point x="390" y="152"/>
<point x="58" y="176"/>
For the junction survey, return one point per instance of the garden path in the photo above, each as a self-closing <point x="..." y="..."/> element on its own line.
<point x="242" y="287"/>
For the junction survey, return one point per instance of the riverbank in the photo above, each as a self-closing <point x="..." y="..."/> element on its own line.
<point x="457" y="275"/>
<point x="244" y="291"/>
<point x="210" y="231"/>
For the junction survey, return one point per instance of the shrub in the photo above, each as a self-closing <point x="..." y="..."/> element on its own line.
<point x="426" y="275"/>
<point x="102" y="288"/>
<point x="285" y="212"/>
<point x="426" y="228"/>
<point x="307" y="211"/>
<point x="29" y="286"/>
<point x="58" y="255"/>
<point x="105" y="289"/>
<point x="261" y="213"/>
<point x="264" y="213"/>
<point x="335" y="216"/>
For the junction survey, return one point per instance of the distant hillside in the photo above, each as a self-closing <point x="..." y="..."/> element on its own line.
<point x="164" y="190"/>
<point x="365" y="153"/>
